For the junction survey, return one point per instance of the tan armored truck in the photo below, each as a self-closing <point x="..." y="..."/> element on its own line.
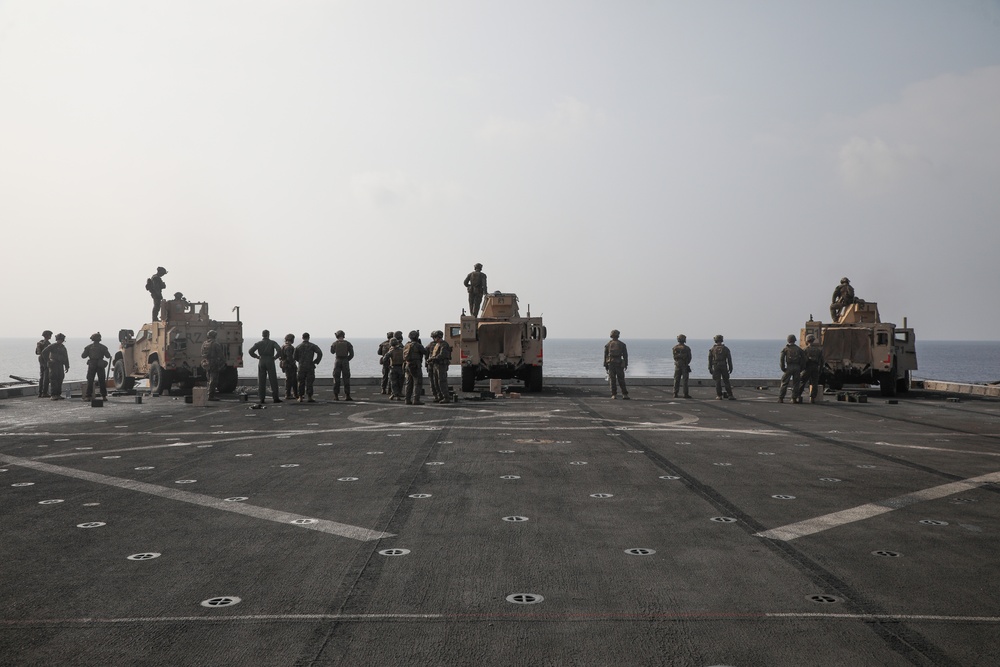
<point x="168" y="352"/>
<point x="862" y="349"/>
<point x="498" y="344"/>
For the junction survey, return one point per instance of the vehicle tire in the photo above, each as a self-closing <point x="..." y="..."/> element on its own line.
<point x="159" y="379"/>
<point x="468" y="378"/>
<point x="229" y="377"/>
<point x="903" y="383"/>
<point x="534" y="383"/>
<point x="123" y="382"/>
<point x="887" y="383"/>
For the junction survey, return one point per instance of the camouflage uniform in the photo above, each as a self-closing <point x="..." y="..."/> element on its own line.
<point x="413" y="355"/>
<point x="307" y="355"/>
<point x="266" y="351"/>
<point x="213" y="360"/>
<point x="814" y="367"/>
<point x="289" y="367"/>
<point x="792" y="361"/>
<point x="682" y="366"/>
<point x="57" y="360"/>
<point x="43" y="368"/>
<point x="155" y="285"/>
<point x="95" y="354"/>
<point x="616" y="363"/>
<point x="394" y="360"/>
<point x="429" y="367"/>
<point x="720" y="365"/>
<point x="439" y="360"/>
<point x="843" y="296"/>
<point x="475" y="283"/>
<point x="383" y="347"/>
<point x="343" y="352"/>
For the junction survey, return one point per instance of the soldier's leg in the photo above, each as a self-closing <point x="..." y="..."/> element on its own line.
<point x="261" y="381"/>
<point x="797" y="386"/>
<point x="729" y="387"/>
<point x="385" y="379"/>
<point x="273" y="373"/>
<point x="677" y="380"/>
<point x="396" y="381"/>
<point x="55" y="382"/>
<point x="685" y="377"/>
<point x="621" y="381"/>
<point x="409" y="384"/>
<point x="347" y="379"/>
<point x="336" y="380"/>
<point x="91" y="371"/>
<point x="783" y="388"/>
<point x="43" y="379"/>
<point x="443" y="381"/>
<point x="102" y="381"/>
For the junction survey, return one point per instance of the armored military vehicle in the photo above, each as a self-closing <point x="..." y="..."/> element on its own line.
<point x="168" y="352"/>
<point x="862" y="349"/>
<point x="498" y="344"/>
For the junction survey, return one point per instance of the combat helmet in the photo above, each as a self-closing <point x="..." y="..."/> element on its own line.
<point x="96" y="337"/>
<point x="718" y="338"/>
<point x="46" y="333"/>
<point x="681" y="338"/>
<point x="339" y="333"/>
<point x="615" y="333"/>
<point x="289" y="337"/>
<point x="414" y="335"/>
<point x="791" y="338"/>
<point x="845" y="281"/>
<point x="477" y="266"/>
<point x="212" y="334"/>
<point x="810" y="338"/>
<point x="60" y="336"/>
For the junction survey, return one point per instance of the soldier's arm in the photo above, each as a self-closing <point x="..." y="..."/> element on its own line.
<point x="350" y="351"/>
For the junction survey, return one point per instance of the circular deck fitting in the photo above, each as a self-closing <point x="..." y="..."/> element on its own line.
<point x="91" y="504"/>
<point x="933" y="522"/>
<point x="49" y="502"/>
<point x="783" y="497"/>
<point x="505" y="451"/>
<point x="289" y="465"/>
<point x="325" y="444"/>
<point x="802" y="444"/>
<point x="866" y="466"/>
<point x="3" y="470"/>
<point x="203" y="446"/>
<point x="172" y="439"/>
<point x="434" y="463"/>
<point x="602" y="495"/>
<point x="524" y="598"/>
<point x="244" y="455"/>
<point x="304" y="522"/>
<point x="394" y="552"/>
<point x="830" y="479"/>
<point x="221" y="601"/>
<point x="563" y="442"/>
<point x="682" y="443"/>
<point x="347" y="479"/>
<point x="669" y="477"/>
<point x="444" y="442"/>
<point x="110" y="457"/>
<point x="282" y="437"/>
<point x="636" y="451"/>
<point x="533" y="441"/>
<point x="503" y="434"/>
<point x="146" y="468"/>
<point x="766" y="453"/>
<point x="83" y="449"/>
<point x="639" y="551"/>
<point x="23" y="484"/>
<point x="185" y="481"/>
<point x="510" y="477"/>
<point x="91" y="524"/>
<point x="887" y="554"/>
<point x="215" y="426"/>
<point x="614" y="435"/>
<point x="578" y="463"/>
<point x="722" y="464"/>
<point x="146" y="556"/>
<point x="823" y="599"/>
<point x="236" y="499"/>
<point x="61" y="440"/>
<point x="515" y="519"/>
<point x="373" y="453"/>
<point x="420" y="495"/>
<point x="313" y="424"/>
<point x="960" y="501"/>
<point x="393" y="435"/>
<point x="723" y="519"/>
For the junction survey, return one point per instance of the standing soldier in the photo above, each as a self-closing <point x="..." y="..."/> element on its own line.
<point x="432" y="376"/>
<point x="43" y="368"/>
<point x="843" y="296"/>
<point x="57" y="360"/>
<point x="413" y="354"/>
<point x="383" y="347"/>
<point x="682" y="365"/>
<point x="394" y="360"/>
<point x="213" y="360"/>
<point x="342" y="352"/>
<point x="439" y="360"/>
<point x="155" y="287"/>
<point x="616" y="363"/>
<point x="475" y="283"/>
<point x="720" y="365"/>
<point x="814" y="367"/>
<point x="266" y="351"/>
<point x="288" y="365"/>
<point x="792" y="361"/>
<point x="95" y="354"/>
<point x="307" y="355"/>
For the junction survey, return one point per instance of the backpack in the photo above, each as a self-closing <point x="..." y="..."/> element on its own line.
<point x="149" y="284"/>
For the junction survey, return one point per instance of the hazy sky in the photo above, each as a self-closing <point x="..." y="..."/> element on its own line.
<point x="658" y="167"/>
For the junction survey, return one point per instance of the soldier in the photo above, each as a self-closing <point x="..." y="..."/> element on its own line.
<point x="475" y="283"/>
<point x="266" y="351"/>
<point x="290" y="369"/>
<point x="439" y="360"/>
<point x="616" y="363"/>
<point x="307" y="356"/>
<point x="792" y="361"/>
<point x="57" y="360"/>
<point x="720" y="365"/>
<point x="155" y="287"/>
<point x="213" y="360"/>
<point x="343" y="352"/>
<point x="682" y="365"/>
<point x="176" y="306"/>
<point x="394" y="360"/>
<point x="43" y="368"/>
<point x="843" y="296"/>
<point x="429" y="367"/>
<point x="95" y="354"/>
<point x="383" y="347"/>
<point x="413" y="354"/>
<point x="814" y="367"/>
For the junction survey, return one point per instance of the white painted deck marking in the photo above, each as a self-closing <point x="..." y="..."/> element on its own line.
<point x="869" y="510"/>
<point x="322" y="525"/>
<point x="937" y="449"/>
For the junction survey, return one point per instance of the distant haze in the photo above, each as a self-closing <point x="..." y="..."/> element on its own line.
<point x="657" y="167"/>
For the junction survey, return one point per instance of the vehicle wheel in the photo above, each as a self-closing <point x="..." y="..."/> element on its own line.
<point x="159" y="379"/>
<point x="903" y="383"/>
<point x="229" y="377"/>
<point x="123" y="382"/>
<point x="468" y="378"/>
<point x="534" y="382"/>
<point x="887" y="383"/>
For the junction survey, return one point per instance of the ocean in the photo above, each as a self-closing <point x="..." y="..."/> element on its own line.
<point x="955" y="361"/>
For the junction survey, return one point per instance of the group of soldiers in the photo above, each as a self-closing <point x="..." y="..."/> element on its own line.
<point x="798" y="366"/>
<point x="53" y="362"/>
<point x="402" y="366"/>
